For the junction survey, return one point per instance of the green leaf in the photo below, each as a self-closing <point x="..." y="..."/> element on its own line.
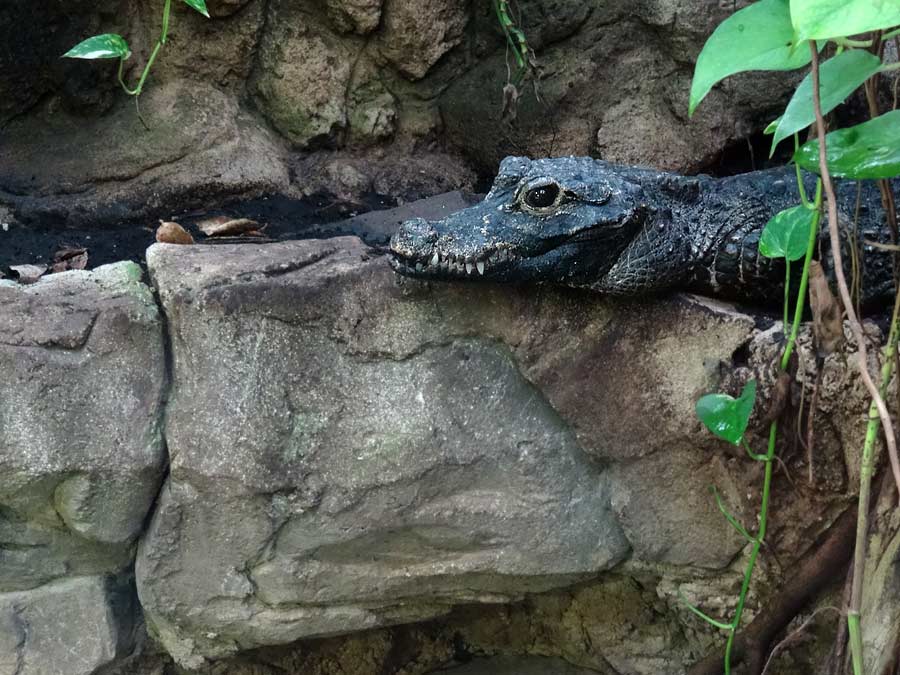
<point x="868" y="150"/>
<point x="106" y="46"/>
<point x="786" y="235"/>
<point x="727" y="417"/>
<point x="199" y="5"/>
<point x="758" y="37"/>
<point x="773" y="125"/>
<point x="822" y="19"/>
<point x="838" y="78"/>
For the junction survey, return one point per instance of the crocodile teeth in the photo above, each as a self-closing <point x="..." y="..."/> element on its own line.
<point x="435" y="259"/>
<point x="469" y="268"/>
<point x="480" y="266"/>
<point x="419" y="267"/>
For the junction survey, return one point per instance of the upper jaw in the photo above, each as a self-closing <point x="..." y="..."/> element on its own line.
<point x="436" y="263"/>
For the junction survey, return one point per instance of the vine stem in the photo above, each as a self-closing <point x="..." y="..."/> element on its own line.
<point x="853" y="620"/>
<point x="757" y="545"/>
<point x="769" y="457"/>
<point x="163" y="36"/>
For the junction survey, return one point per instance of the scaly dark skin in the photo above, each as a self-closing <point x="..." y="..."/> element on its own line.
<point x="622" y="230"/>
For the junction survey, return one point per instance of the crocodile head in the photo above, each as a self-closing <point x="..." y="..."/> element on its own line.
<point x="565" y="220"/>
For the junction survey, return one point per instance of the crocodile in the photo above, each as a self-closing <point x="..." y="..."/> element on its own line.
<point x="625" y="230"/>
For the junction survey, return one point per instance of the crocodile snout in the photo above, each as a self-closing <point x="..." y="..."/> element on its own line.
<point x="414" y="239"/>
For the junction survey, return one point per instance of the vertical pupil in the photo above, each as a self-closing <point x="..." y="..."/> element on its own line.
<point x="542" y="197"/>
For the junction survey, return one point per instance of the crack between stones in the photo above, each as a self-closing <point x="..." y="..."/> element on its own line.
<point x="24" y="628"/>
<point x="252" y="276"/>
<point x="255" y="56"/>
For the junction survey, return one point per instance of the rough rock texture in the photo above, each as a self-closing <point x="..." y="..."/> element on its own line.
<point x="510" y="474"/>
<point x="345" y="75"/>
<point x="431" y="494"/>
<point x="413" y="40"/>
<point x="408" y="179"/>
<point x="399" y="449"/>
<point x="303" y="75"/>
<point x="615" y="82"/>
<point x="81" y="454"/>
<point x="70" y="627"/>
<point x="219" y="51"/>
<point x="200" y="146"/>
<point x="81" y="461"/>
<point x="358" y="16"/>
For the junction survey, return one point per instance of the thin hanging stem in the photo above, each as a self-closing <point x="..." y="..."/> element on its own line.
<point x="163" y="36"/>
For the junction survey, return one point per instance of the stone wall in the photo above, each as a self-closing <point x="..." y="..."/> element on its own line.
<point x="433" y="471"/>
<point x="345" y="96"/>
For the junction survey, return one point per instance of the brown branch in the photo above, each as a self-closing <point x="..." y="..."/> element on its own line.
<point x="877" y="400"/>
<point x="815" y="572"/>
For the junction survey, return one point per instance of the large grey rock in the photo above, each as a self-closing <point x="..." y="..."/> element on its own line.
<point x="82" y="371"/>
<point x="69" y="627"/>
<point x="359" y="483"/>
<point x="76" y="171"/>
<point x="348" y="451"/>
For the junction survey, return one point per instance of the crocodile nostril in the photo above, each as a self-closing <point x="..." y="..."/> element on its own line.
<point x="416" y="236"/>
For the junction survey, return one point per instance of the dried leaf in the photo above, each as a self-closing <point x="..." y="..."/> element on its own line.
<point x="27" y="274"/>
<point x="510" y="103"/>
<point x="70" y="259"/>
<point x="828" y="325"/>
<point x="212" y="222"/>
<point x="173" y="233"/>
<point x="230" y="227"/>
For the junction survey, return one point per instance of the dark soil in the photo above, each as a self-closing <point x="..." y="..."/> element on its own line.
<point x="284" y="218"/>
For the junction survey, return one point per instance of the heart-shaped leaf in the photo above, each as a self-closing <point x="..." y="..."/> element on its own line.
<point x="867" y="150"/>
<point x="786" y="235"/>
<point x="199" y="5"/>
<point x="822" y="19"/>
<point x="838" y="78"/>
<point x="758" y="37"/>
<point x="106" y="46"/>
<point x="727" y="417"/>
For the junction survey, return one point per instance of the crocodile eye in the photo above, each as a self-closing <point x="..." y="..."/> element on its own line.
<point x="542" y="196"/>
